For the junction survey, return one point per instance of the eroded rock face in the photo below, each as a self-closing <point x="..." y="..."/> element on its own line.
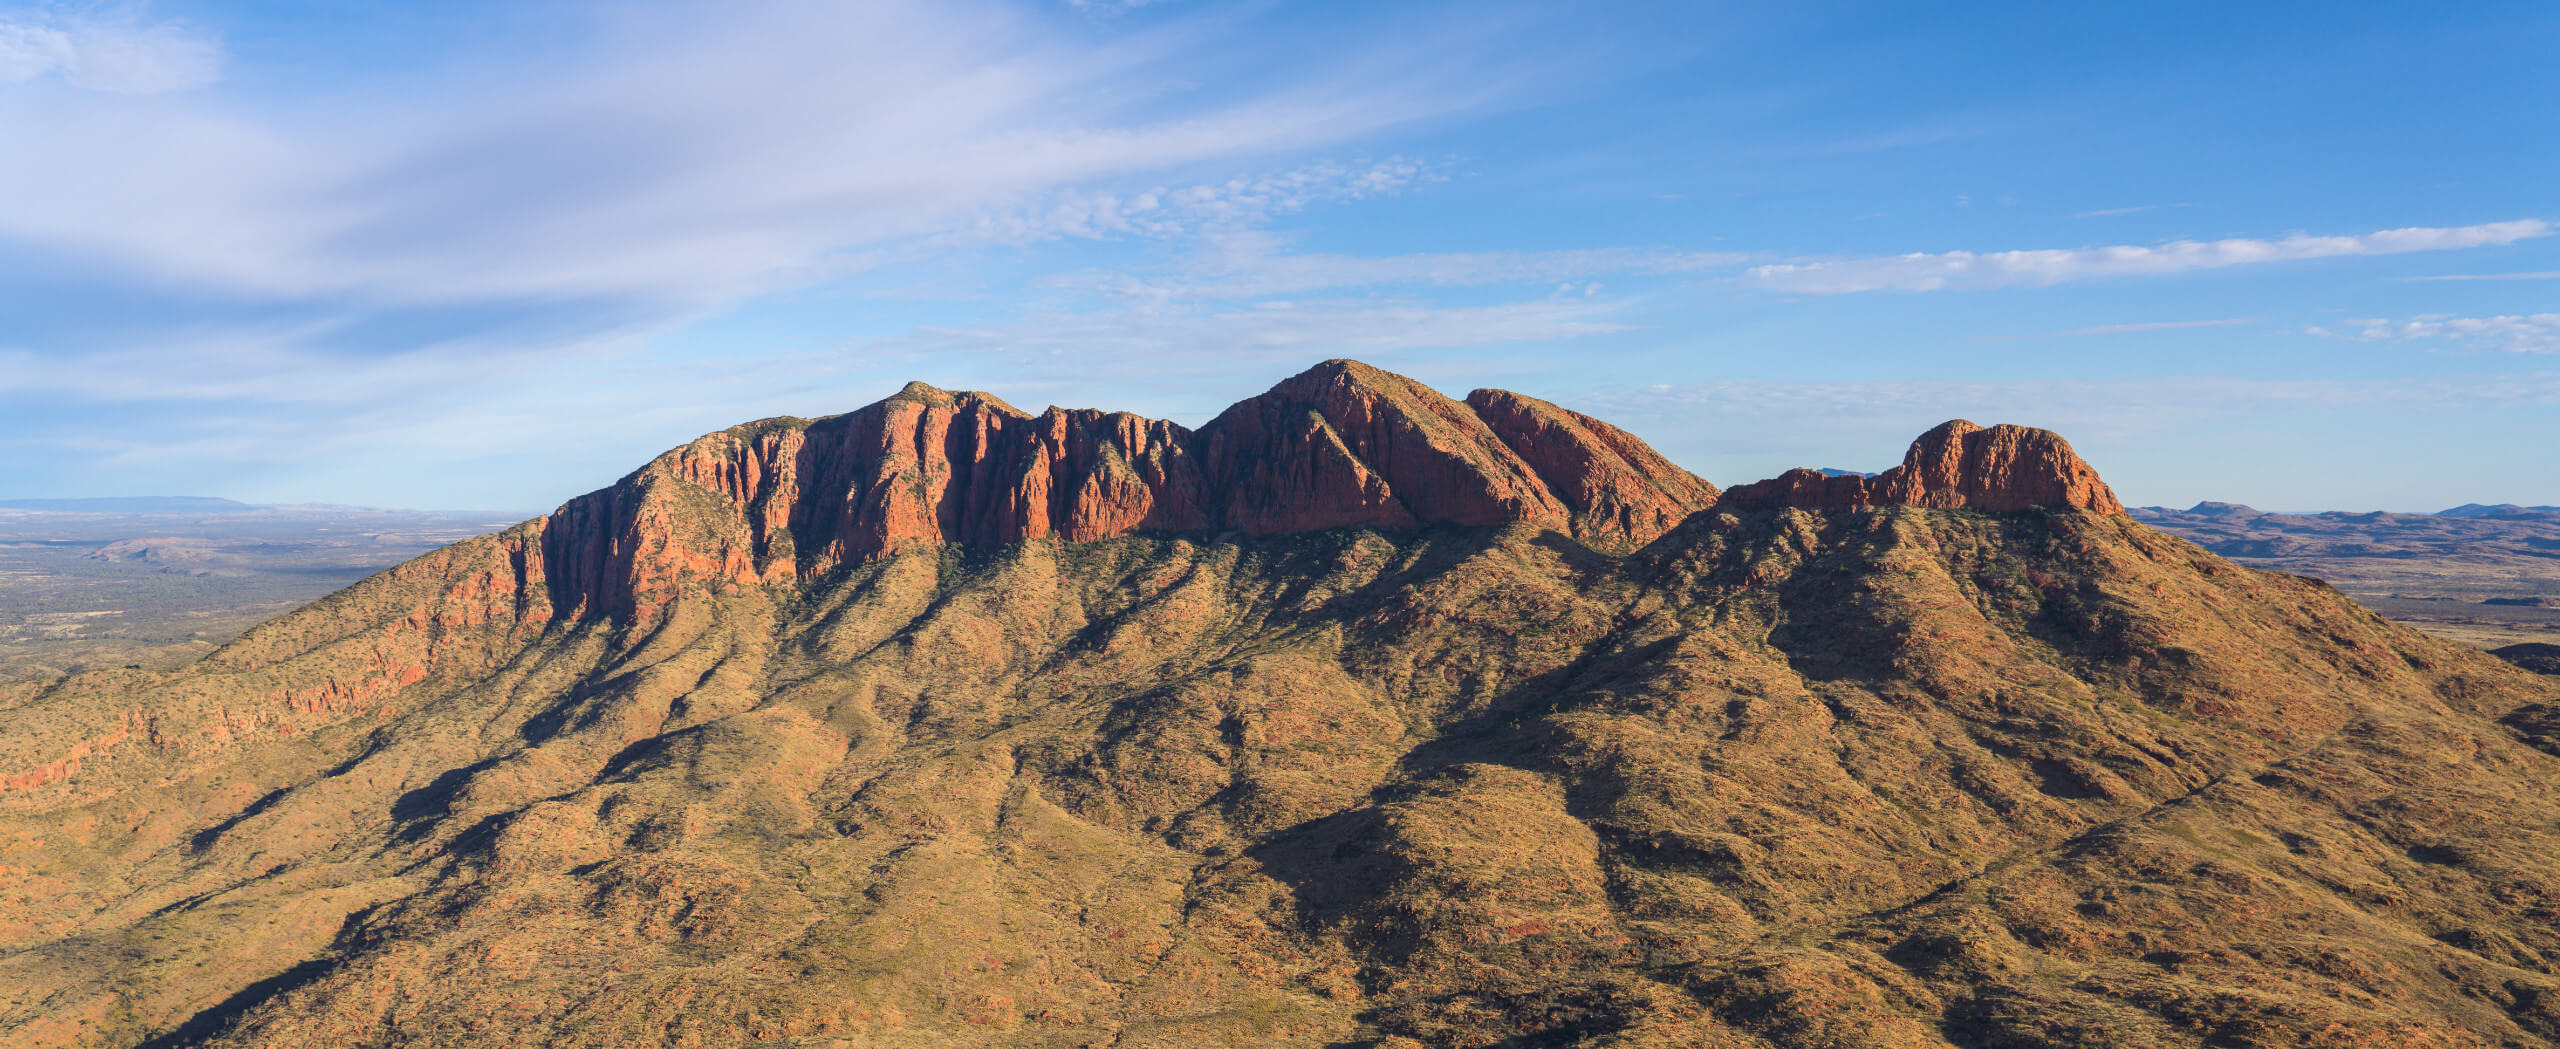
<point x="1956" y="465"/>
<point x="1340" y="445"/>
<point x="1344" y="444"/>
<point x="1620" y="491"/>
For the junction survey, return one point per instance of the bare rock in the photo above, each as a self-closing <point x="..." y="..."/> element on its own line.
<point x="1957" y="465"/>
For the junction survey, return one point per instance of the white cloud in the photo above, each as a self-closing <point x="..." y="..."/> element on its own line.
<point x="277" y="365"/>
<point x="290" y="370"/>
<point x="1968" y="270"/>
<point x="1250" y="264"/>
<point x="117" y="55"/>
<point x="1235" y="203"/>
<point x="2513" y="333"/>
<point x="474" y="265"/>
<point x="277" y="402"/>
<point x="1288" y="332"/>
<point x="681" y="159"/>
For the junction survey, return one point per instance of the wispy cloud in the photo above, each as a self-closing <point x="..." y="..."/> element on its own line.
<point x="1235" y="203"/>
<point x="1965" y="270"/>
<point x="1290" y="332"/>
<point x="515" y="238"/>
<point x="685" y="158"/>
<point x="1256" y="264"/>
<point x="114" y="52"/>
<point x="2123" y="329"/>
<point x="2544" y="275"/>
<point x="277" y="400"/>
<point x="2513" y="333"/>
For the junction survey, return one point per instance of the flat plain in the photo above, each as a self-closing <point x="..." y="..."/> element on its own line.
<point x="106" y="586"/>
<point x="2489" y="579"/>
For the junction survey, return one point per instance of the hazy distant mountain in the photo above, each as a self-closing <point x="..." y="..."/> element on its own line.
<point x="140" y="504"/>
<point x="2524" y="540"/>
<point x="2486" y="510"/>
<point x="1359" y="716"/>
<point x="2227" y="510"/>
<point x="159" y="582"/>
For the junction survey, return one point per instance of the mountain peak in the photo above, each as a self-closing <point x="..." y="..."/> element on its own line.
<point x="2210" y="508"/>
<point x="1957" y="464"/>
<point x="961" y="400"/>
<point x="1344" y="369"/>
<point x="1341" y="444"/>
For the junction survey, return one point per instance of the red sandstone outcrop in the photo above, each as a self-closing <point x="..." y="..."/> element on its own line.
<point x="1622" y="493"/>
<point x="1340" y="445"/>
<point x="64" y="767"/>
<point x="1956" y="465"/>
<point x="1344" y="444"/>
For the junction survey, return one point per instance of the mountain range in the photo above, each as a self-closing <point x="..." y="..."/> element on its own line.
<point x="1360" y="715"/>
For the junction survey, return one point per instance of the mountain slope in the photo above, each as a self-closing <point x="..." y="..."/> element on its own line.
<point x="1360" y="715"/>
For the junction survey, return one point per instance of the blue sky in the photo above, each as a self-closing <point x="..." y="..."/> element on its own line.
<point x="490" y="255"/>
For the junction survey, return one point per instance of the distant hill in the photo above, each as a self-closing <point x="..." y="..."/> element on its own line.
<point x="2533" y="656"/>
<point x="2242" y="510"/>
<point x="134" y="504"/>
<point x="2490" y="578"/>
<point x="2523" y="541"/>
<point x="2496" y="510"/>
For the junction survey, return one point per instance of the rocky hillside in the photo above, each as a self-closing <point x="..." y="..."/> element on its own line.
<point x="1343" y="445"/>
<point x="1359" y="716"/>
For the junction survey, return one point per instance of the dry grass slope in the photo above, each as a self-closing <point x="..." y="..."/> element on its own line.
<point x="1900" y="777"/>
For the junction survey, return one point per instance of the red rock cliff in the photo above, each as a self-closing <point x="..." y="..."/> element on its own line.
<point x="1958" y="464"/>
<point x="1621" y="492"/>
<point x="1340" y="445"/>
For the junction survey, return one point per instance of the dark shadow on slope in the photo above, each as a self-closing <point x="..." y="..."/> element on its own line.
<point x="2537" y="724"/>
<point x="204" y="839"/>
<point x="417" y="811"/>
<point x="212" y="1021"/>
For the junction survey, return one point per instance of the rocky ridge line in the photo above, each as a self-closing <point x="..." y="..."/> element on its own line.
<point x="1340" y="445"/>
<point x="1957" y="465"/>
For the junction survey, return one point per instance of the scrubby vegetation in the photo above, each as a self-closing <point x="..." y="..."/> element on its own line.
<point x="1782" y="778"/>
